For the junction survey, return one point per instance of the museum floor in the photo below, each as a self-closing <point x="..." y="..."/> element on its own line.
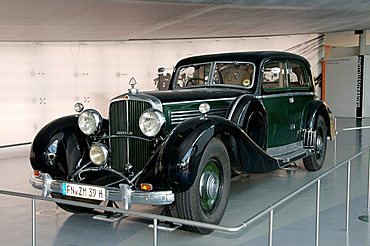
<point x="294" y="223"/>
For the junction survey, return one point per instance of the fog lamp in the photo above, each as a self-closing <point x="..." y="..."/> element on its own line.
<point x="98" y="154"/>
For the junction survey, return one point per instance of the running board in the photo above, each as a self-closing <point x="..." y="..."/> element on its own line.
<point x="293" y="156"/>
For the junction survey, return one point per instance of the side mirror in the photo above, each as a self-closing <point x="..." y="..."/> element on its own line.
<point x="161" y="70"/>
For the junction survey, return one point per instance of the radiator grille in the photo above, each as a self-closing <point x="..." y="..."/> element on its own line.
<point x="124" y="120"/>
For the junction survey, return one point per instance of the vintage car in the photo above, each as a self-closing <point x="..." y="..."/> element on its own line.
<point x="222" y="115"/>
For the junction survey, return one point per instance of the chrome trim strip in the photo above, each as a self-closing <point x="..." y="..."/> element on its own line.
<point x="200" y="101"/>
<point x="287" y="94"/>
<point x="127" y="165"/>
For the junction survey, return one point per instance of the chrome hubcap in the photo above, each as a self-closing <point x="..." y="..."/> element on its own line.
<point x="209" y="185"/>
<point x="319" y="144"/>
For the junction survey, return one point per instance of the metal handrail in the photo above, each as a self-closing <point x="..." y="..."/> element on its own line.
<point x="14" y="145"/>
<point x="227" y="229"/>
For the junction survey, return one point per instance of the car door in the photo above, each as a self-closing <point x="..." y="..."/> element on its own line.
<point x="275" y="98"/>
<point x="300" y="93"/>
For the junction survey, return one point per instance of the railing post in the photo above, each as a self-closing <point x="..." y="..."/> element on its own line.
<point x="335" y="141"/>
<point x="33" y="222"/>
<point x="155" y="232"/>
<point x="348" y="194"/>
<point x="368" y="186"/>
<point x="317" y="228"/>
<point x="271" y="226"/>
<point x="366" y="218"/>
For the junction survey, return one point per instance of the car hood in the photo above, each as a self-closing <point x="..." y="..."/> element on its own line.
<point x="205" y="93"/>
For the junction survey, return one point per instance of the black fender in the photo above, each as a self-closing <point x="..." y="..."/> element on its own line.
<point x="176" y="160"/>
<point x="69" y="148"/>
<point x="245" y="111"/>
<point x="241" y="108"/>
<point x="313" y="110"/>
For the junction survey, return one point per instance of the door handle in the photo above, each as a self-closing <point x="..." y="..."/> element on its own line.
<point x="291" y="99"/>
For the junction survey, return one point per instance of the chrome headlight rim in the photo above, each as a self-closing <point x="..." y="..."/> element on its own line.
<point x="93" y="127"/>
<point x="156" y="117"/>
<point x="99" y="154"/>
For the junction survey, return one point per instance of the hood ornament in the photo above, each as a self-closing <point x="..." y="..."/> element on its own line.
<point x="133" y="82"/>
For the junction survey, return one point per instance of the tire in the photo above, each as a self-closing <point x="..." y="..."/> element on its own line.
<point x="206" y="200"/>
<point x="315" y="161"/>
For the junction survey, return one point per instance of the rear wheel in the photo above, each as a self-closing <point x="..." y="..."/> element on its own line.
<point x="315" y="161"/>
<point x="206" y="200"/>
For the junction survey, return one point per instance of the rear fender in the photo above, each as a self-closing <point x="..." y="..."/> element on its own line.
<point x="241" y="108"/>
<point x="313" y="111"/>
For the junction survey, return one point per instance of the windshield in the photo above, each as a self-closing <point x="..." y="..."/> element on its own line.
<point x="225" y="73"/>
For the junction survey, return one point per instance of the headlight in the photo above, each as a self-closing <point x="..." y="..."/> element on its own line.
<point x="98" y="154"/>
<point x="151" y="122"/>
<point x="90" y="121"/>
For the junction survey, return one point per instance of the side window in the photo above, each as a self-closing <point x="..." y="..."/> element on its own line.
<point x="297" y="76"/>
<point x="236" y="73"/>
<point x="274" y="76"/>
<point x="193" y="75"/>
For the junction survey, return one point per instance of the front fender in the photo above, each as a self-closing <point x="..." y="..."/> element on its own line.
<point x="177" y="159"/>
<point x="68" y="150"/>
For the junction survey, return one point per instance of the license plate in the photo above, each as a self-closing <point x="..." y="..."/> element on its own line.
<point x="83" y="191"/>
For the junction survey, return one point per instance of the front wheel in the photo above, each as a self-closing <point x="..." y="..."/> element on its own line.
<point x="206" y="200"/>
<point x="315" y="161"/>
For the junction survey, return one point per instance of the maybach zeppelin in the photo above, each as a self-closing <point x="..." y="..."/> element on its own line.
<point x="223" y="115"/>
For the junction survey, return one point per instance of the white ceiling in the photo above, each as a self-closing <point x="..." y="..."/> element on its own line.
<point x="100" y="20"/>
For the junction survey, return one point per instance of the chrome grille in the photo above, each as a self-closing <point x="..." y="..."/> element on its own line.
<point x="124" y="121"/>
<point x="179" y="116"/>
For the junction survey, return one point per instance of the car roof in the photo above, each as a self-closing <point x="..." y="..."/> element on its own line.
<point x="251" y="56"/>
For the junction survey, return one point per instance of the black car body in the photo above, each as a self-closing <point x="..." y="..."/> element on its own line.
<point x="223" y="115"/>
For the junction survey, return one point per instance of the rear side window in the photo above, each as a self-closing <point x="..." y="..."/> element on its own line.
<point x="297" y="76"/>
<point x="285" y="76"/>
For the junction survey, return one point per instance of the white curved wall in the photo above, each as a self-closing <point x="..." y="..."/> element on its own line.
<point x="42" y="81"/>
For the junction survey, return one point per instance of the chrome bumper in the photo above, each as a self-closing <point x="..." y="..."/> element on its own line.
<point x="122" y="194"/>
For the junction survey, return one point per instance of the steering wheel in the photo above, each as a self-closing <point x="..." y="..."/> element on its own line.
<point x="191" y="81"/>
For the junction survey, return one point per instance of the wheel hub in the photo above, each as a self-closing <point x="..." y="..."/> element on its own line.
<point x="209" y="185"/>
<point x="319" y="144"/>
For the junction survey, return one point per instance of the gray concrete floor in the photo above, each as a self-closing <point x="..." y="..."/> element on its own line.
<point x="294" y="223"/>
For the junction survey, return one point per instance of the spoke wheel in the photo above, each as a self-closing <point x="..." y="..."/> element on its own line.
<point x="206" y="200"/>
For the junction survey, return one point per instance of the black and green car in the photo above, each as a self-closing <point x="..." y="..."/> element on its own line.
<point x="222" y="115"/>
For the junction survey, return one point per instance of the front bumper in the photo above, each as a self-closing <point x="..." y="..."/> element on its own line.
<point x="123" y="194"/>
